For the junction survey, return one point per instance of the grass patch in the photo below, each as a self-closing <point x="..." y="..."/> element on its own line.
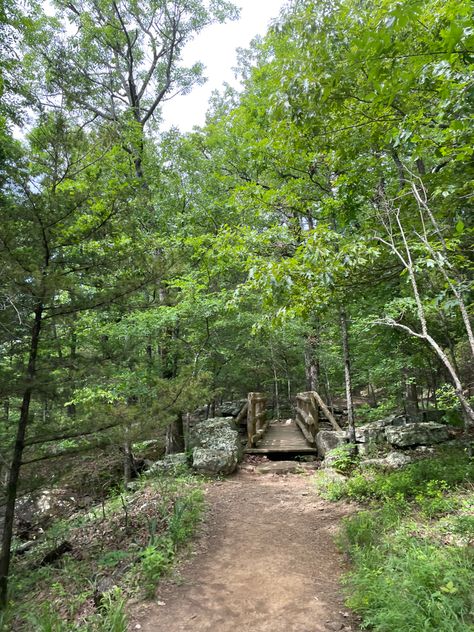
<point x="411" y="548"/>
<point x="120" y="549"/>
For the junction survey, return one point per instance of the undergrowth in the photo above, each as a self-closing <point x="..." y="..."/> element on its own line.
<point x="120" y="549"/>
<point x="411" y="547"/>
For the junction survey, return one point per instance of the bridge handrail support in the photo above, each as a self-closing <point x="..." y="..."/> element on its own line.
<point x="257" y="423"/>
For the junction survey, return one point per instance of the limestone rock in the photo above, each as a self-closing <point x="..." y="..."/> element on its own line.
<point x="392" y="420"/>
<point x="396" y="460"/>
<point x="169" y="463"/>
<point x="231" y="409"/>
<point x="393" y="461"/>
<point x="216" y="446"/>
<point x="327" y="440"/>
<point x="416" y="434"/>
<point x="370" y="433"/>
<point x="215" y="461"/>
<point x="217" y="433"/>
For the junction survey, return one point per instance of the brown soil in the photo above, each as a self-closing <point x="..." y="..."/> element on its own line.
<point x="265" y="561"/>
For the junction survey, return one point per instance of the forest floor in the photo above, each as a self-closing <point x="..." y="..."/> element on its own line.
<point x="265" y="560"/>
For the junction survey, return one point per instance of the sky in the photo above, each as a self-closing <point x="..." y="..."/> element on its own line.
<point x="216" y="48"/>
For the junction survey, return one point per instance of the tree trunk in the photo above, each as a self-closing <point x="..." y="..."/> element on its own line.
<point x="347" y="373"/>
<point x="276" y="392"/>
<point x="175" y="436"/>
<point x="372" y="394"/>
<point x="312" y="368"/>
<point x="6" y="411"/>
<point x="411" y="394"/>
<point x="15" y="466"/>
<point x="127" y="463"/>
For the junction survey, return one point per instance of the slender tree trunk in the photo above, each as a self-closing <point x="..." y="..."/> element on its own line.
<point x="372" y="394"/>
<point x="407" y="261"/>
<point x="347" y="373"/>
<point x="327" y="389"/>
<point x="127" y="462"/>
<point x="15" y="466"/>
<point x="312" y="368"/>
<point x="411" y="393"/>
<point x="175" y="436"/>
<point x="6" y="410"/>
<point x="71" y="408"/>
<point x="276" y="392"/>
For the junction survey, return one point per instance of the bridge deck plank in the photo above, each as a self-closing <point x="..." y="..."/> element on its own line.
<point x="282" y="437"/>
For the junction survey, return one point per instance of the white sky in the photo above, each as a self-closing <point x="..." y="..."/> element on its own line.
<point x="216" y="48"/>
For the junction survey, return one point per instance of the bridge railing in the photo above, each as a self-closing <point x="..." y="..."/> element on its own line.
<point x="307" y="416"/>
<point x="309" y="406"/>
<point x="257" y="423"/>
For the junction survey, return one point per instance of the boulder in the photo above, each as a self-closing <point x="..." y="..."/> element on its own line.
<point x="217" y="432"/>
<point x="216" y="446"/>
<point x="169" y="463"/>
<point x="214" y="461"/>
<point x="36" y="511"/>
<point x="370" y="433"/>
<point x="392" y="420"/>
<point x="232" y="409"/>
<point x="393" y="461"/>
<point x="416" y="434"/>
<point x="327" y="440"/>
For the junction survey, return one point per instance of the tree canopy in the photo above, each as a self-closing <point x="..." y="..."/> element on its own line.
<point x="315" y="233"/>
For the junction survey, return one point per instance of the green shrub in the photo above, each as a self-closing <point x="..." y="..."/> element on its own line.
<point x="367" y="528"/>
<point x="46" y="620"/>
<point x="344" y="458"/>
<point x="112" y="616"/>
<point x="329" y="488"/>
<point x="155" y="560"/>
<point x="413" y="482"/>
<point x="184" y="517"/>
<point x="403" y="584"/>
<point x="405" y="577"/>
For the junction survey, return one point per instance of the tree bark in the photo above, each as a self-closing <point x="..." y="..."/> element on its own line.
<point x="14" y="473"/>
<point x="347" y="373"/>
<point x="312" y="368"/>
<point x="411" y="394"/>
<point x="127" y="462"/>
<point x="175" y="436"/>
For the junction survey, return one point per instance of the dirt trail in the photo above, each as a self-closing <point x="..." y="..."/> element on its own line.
<point x="265" y="562"/>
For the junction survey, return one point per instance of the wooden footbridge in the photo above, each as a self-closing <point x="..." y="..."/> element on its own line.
<point x="297" y="436"/>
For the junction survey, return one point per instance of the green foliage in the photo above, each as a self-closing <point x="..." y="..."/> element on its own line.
<point x="155" y="561"/>
<point x="403" y="583"/>
<point x="181" y="523"/>
<point x="162" y="515"/>
<point x="425" y="479"/>
<point x="175" y="270"/>
<point x="405" y="574"/>
<point x="111" y="618"/>
<point x="186" y="513"/>
<point x="344" y="458"/>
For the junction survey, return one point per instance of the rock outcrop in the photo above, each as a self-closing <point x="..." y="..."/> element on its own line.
<point x="427" y="433"/>
<point x="215" y="445"/>
<point x="397" y="431"/>
<point x="393" y="461"/>
<point x="327" y="440"/>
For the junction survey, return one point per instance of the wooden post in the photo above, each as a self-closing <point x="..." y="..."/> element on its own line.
<point x="307" y="416"/>
<point x="250" y="419"/>
<point x="256" y="418"/>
